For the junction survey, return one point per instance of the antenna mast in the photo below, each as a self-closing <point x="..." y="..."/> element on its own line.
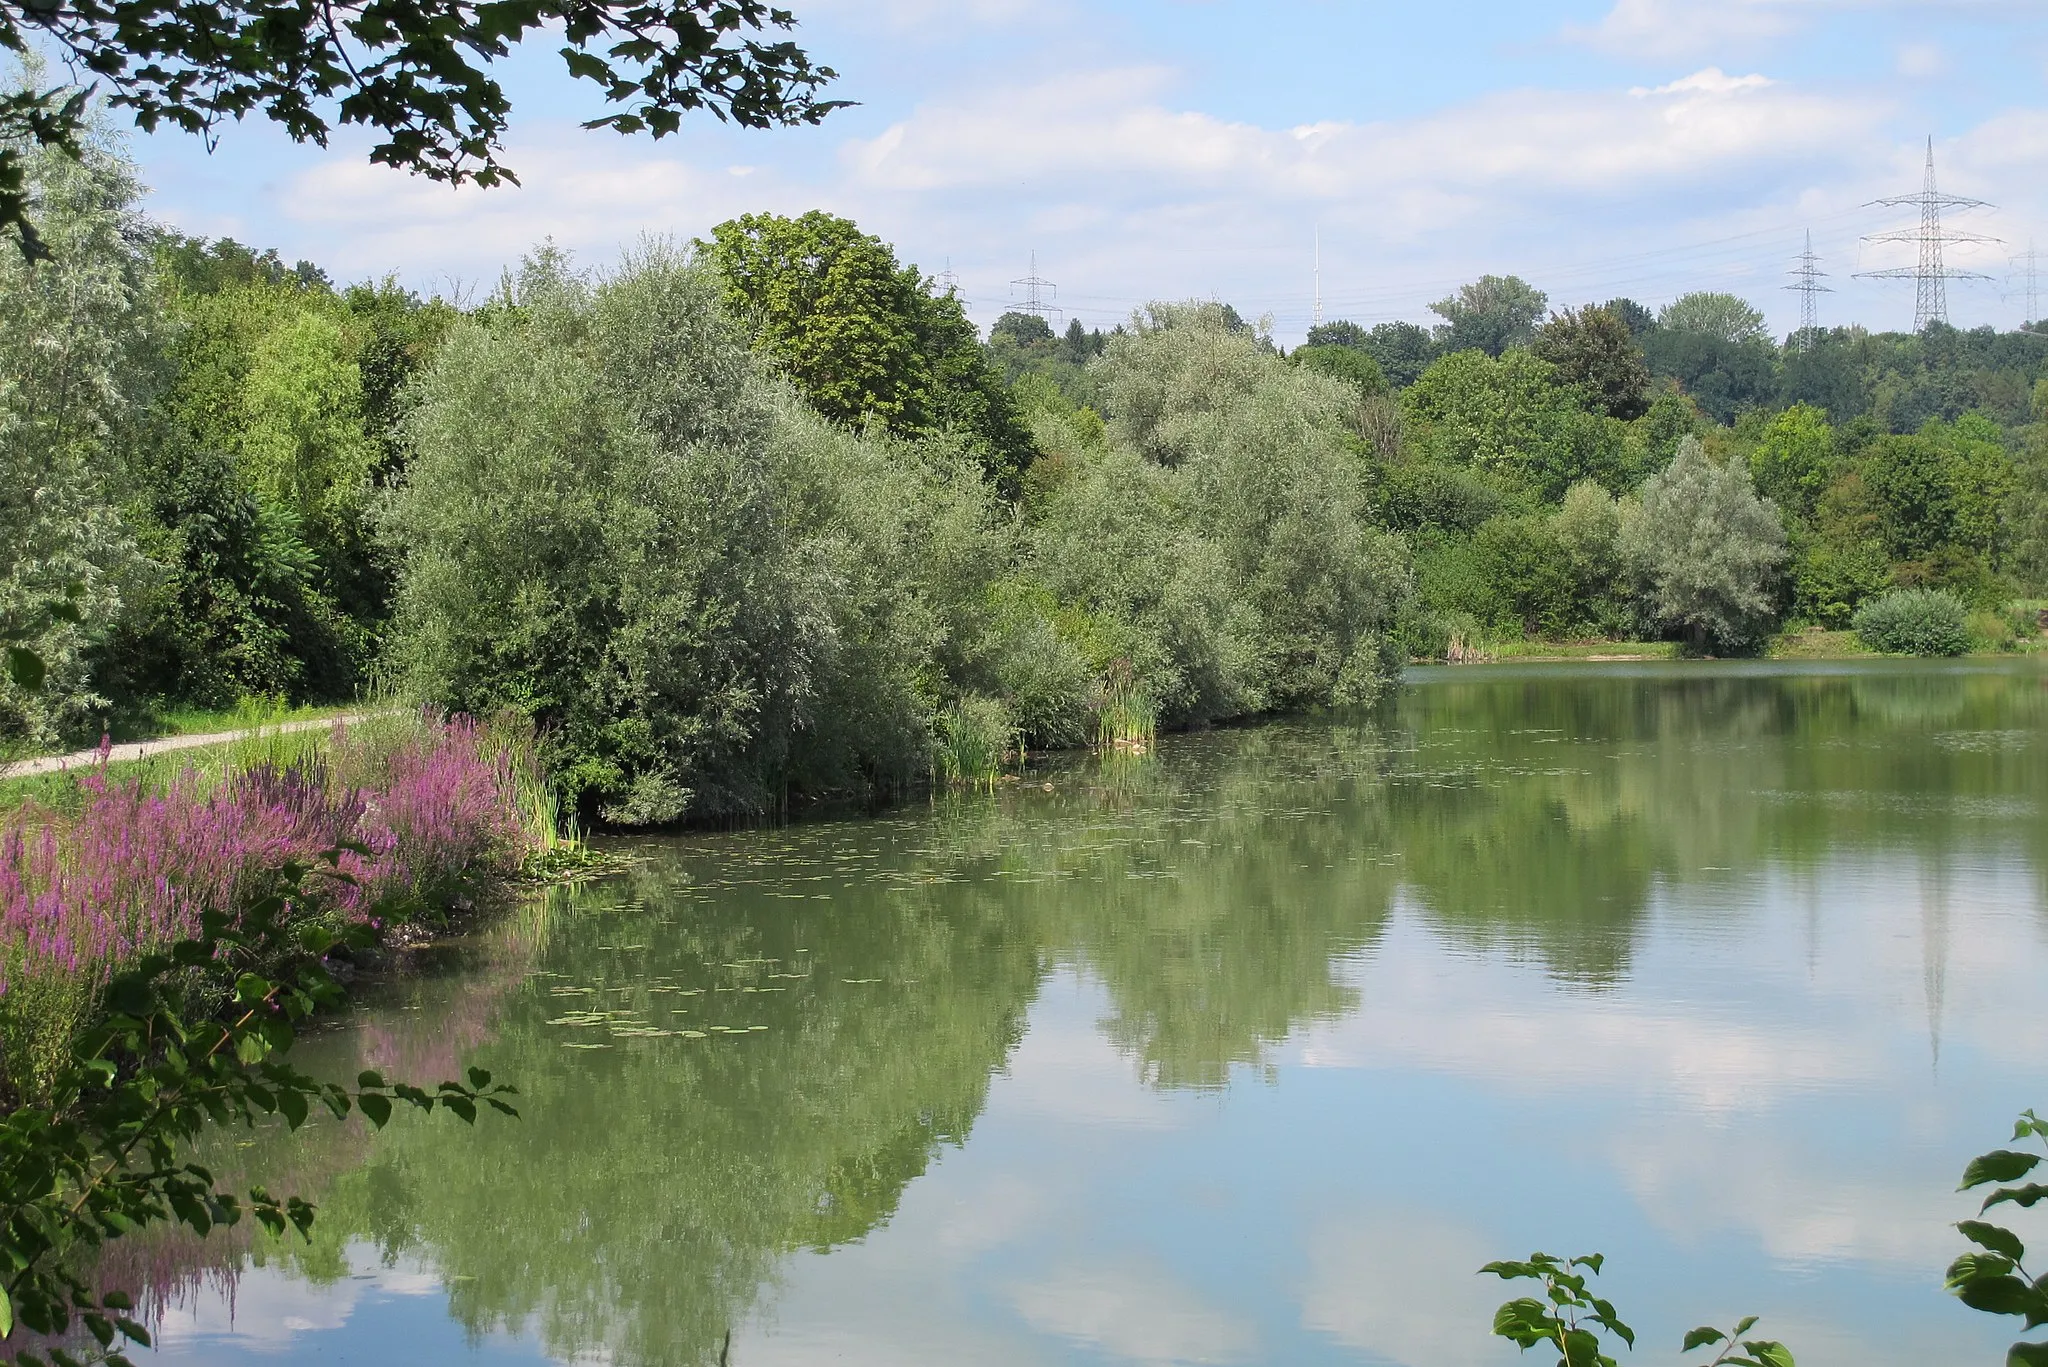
<point x="1316" y="318"/>
<point x="2033" y="284"/>
<point x="1037" y="294"/>
<point x="1806" y="278"/>
<point x="1930" y="302"/>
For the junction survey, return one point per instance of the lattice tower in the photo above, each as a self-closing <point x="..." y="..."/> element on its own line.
<point x="1930" y="302"/>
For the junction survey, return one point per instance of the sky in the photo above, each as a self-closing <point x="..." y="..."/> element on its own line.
<point x="1177" y="149"/>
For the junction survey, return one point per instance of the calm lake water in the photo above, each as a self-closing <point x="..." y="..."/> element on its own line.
<point x="1251" y="1051"/>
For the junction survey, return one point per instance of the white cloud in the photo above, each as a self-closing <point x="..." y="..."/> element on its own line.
<point x="1676" y="28"/>
<point x="1922" y="60"/>
<point x="1683" y="28"/>
<point x="1402" y="1286"/>
<point x="1133" y="1312"/>
<point x="1114" y="132"/>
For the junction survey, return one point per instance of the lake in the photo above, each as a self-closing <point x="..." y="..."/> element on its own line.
<point x="1251" y="1050"/>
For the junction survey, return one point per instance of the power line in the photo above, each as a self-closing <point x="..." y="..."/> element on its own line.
<point x="1036" y="300"/>
<point x="1930" y="301"/>
<point x="1806" y="278"/>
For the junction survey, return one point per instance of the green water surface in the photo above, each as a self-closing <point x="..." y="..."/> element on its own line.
<point x="1251" y="1050"/>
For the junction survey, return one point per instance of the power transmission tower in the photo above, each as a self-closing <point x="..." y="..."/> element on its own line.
<point x="1037" y="294"/>
<point x="1930" y="303"/>
<point x="1806" y="278"/>
<point x="1316" y="318"/>
<point x="946" y="280"/>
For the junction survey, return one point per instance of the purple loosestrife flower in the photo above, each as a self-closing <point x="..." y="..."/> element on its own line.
<point x="133" y="871"/>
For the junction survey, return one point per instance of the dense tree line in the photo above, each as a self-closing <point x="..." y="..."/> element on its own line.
<point x="1828" y="470"/>
<point x="762" y="516"/>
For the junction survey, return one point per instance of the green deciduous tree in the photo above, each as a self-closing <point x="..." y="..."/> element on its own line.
<point x="864" y="336"/>
<point x="1723" y="317"/>
<point x="1795" y="460"/>
<point x="1513" y="418"/>
<point x="1704" y="551"/>
<point x="77" y="366"/>
<point x="1352" y="365"/>
<point x="1223" y="539"/>
<point x="1595" y="350"/>
<point x="1492" y="314"/>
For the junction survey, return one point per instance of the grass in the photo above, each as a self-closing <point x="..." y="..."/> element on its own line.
<point x="60" y="791"/>
<point x="1816" y="644"/>
<point x="1582" y="650"/>
<point x="162" y="722"/>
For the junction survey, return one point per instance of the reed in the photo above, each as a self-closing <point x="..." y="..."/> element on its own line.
<point x="1126" y="717"/>
<point x="975" y="737"/>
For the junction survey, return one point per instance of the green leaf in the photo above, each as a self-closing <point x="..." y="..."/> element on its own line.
<point x="375" y="1108"/>
<point x="1747" y="1323"/>
<point x="2027" y="1355"/>
<point x="2023" y="1197"/>
<point x="1977" y="1267"/>
<point x="6" y="1314"/>
<point x="1997" y="1295"/>
<point x="1992" y="1237"/>
<point x="293" y="1104"/>
<point x="1700" y="1337"/>
<point x="1770" y="1352"/>
<point x="2000" y="1165"/>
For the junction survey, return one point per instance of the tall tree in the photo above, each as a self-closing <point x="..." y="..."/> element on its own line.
<point x="1403" y="351"/>
<point x="1594" y="349"/>
<point x="77" y="366"/>
<point x="414" y="70"/>
<point x="1704" y="551"/>
<point x="1796" y="458"/>
<point x="864" y="336"/>
<point x="1491" y="314"/>
<point x="1704" y="313"/>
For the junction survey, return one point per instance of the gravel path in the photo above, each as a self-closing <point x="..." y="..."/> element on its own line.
<point x="143" y="749"/>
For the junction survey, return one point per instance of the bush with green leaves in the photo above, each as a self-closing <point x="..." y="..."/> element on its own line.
<point x="1914" y="622"/>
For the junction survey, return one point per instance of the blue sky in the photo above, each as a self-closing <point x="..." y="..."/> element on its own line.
<point x="1195" y="148"/>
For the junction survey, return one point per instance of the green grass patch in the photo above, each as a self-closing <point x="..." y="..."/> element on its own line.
<point x="1582" y="650"/>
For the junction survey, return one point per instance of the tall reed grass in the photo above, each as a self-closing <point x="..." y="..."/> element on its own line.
<point x="423" y="807"/>
<point x="976" y="735"/>
<point x="1126" y="717"/>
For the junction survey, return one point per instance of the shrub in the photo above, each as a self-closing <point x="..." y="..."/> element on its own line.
<point x="1914" y="622"/>
<point x="1704" y="551"/>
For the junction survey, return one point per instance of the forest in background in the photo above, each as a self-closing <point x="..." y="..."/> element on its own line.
<point x="763" y="517"/>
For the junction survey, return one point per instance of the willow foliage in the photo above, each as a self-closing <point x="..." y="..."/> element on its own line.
<point x="1222" y="540"/>
<point x="617" y="521"/>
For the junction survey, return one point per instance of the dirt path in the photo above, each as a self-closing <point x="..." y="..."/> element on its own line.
<point x="143" y="749"/>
